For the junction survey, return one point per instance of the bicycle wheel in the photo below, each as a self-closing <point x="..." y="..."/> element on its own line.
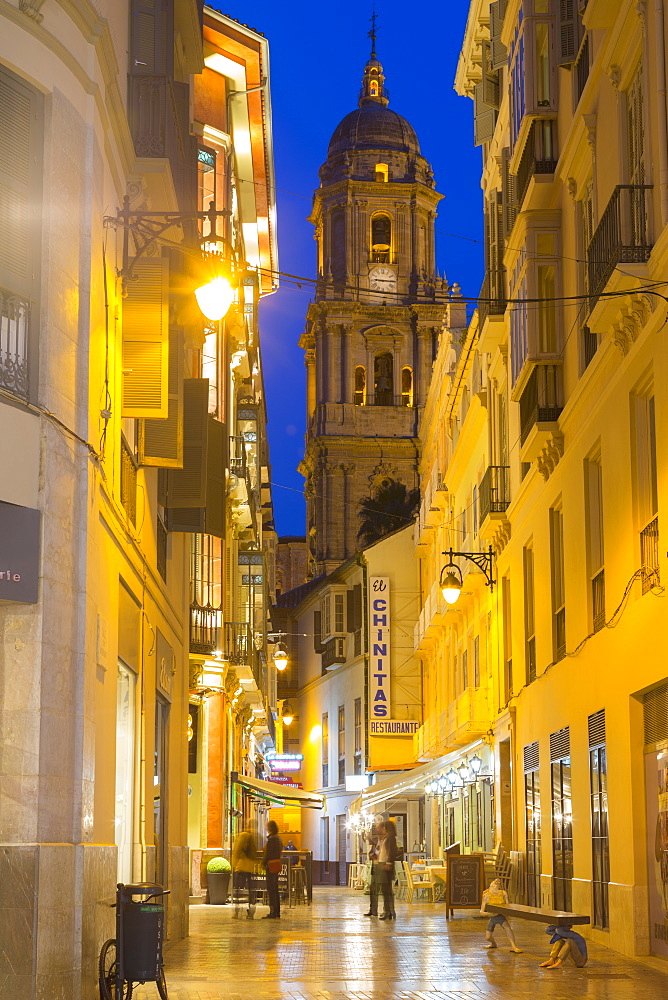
<point x="107" y="974"/>
<point x="162" y="985"/>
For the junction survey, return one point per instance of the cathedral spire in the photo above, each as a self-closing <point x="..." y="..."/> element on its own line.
<point x="373" y="81"/>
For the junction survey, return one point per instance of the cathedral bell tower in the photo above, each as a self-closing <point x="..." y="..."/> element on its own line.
<point x="371" y="333"/>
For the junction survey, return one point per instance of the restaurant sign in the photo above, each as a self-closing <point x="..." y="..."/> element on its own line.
<point x="379" y="647"/>
<point x="19" y="553"/>
<point x="393" y="727"/>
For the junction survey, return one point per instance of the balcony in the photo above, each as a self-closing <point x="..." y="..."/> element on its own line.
<point x="541" y="403"/>
<point x="239" y="648"/>
<point x="333" y="652"/>
<point x="494" y="492"/>
<point x="491" y="307"/>
<point x="14" y="329"/>
<point x="581" y="71"/>
<point x="158" y="114"/>
<point x="649" y="555"/>
<point x="427" y="626"/>
<point x="241" y="492"/>
<point x="204" y="625"/>
<point x="622" y="236"/>
<point x="539" y="156"/>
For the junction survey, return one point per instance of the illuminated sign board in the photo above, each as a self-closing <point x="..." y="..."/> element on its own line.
<point x="393" y="727"/>
<point x="284" y="761"/>
<point x="19" y="553"/>
<point x="379" y="647"/>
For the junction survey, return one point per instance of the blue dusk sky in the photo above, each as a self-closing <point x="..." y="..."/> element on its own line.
<point x="317" y="55"/>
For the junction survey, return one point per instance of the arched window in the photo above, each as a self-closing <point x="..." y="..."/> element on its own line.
<point x="406" y="386"/>
<point x="381" y="238"/>
<point x="373" y="88"/>
<point x="382" y="173"/>
<point x="383" y="379"/>
<point x="360" y="385"/>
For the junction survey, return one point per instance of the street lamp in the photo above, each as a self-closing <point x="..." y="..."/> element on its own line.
<point x="475" y="763"/>
<point x="216" y="294"/>
<point x="287" y="714"/>
<point x="451" y="581"/>
<point x="280" y="658"/>
<point x="463" y="770"/>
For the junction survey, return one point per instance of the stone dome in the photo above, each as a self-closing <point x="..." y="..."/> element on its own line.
<point x="373" y="126"/>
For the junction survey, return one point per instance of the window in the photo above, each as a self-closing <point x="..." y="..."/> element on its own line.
<point x="476" y="661"/>
<point x="358" y="736"/>
<point x="594" y="533"/>
<point x="635" y="130"/>
<point x="533" y="826"/>
<point x="342" y="744"/>
<point x="338" y="614"/>
<point x="529" y="615"/>
<point x="383" y="371"/>
<point x="558" y="586"/>
<point x="21" y="179"/>
<point x="406" y="386"/>
<point x="338" y="243"/>
<point x="645" y="481"/>
<point x="381" y="239"/>
<point x="507" y="642"/>
<point x="547" y="327"/>
<point x="598" y="778"/>
<point x="325" y="750"/>
<point x="562" y="819"/>
<point x="125" y="762"/>
<point x="465" y="669"/>
<point x="382" y="173"/>
<point x="360" y="385"/>
<point x="206" y="183"/>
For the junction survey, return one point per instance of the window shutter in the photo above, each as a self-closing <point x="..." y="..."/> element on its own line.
<point x="655" y="708"/>
<point x="350" y="610"/>
<point x="146" y="341"/>
<point x="160" y="442"/>
<point x="569" y="32"/>
<point x="531" y="757"/>
<point x="596" y="726"/>
<point x="560" y="744"/>
<point x="357" y="590"/>
<point x="151" y="32"/>
<point x="498" y="53"/>
<point x="214" y="512"/>
<point x="21" y="120"/>
<point x="490" y="79"/>
<point x="484" y="117"/>
<point x="185" y="489"/>
<point x="509" y="197"/>
<point x="317" y="633"/>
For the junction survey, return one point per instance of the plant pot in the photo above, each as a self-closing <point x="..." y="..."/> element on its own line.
<point x="219" y="887"/>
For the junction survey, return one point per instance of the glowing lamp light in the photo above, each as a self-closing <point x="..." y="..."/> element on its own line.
<point x="287" y="714"/>
<point x="215" y="297"/>
<point x="280" y="658"/>
<point x="451" y="584"/>
<point x="475" y="763"/>
<point x="463" y="770"/>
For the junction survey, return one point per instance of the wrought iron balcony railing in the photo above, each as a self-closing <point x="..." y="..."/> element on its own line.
<point x="649" y="555"/>
<point x="14" y="331"/>
<point x="539" y="155"/>
<point x="492" y="300"/>
<point x="621" y="237"/>
<point x="494" y="491"/>
<point x="204" y="625"/>
<point x="542" y="399"/>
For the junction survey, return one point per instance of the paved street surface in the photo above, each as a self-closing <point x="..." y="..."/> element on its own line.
<point x="330" y="951"/>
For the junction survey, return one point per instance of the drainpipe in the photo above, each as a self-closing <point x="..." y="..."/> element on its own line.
<point x="659" y="30"/>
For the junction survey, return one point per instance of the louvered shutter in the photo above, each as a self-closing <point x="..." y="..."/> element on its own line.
<point x="490" y="79"/>
<point x="350" y="610"/>
<point x="569" y="32"/>
<point x="185" y="489"/>
<point x="21" y="130"/>
<point x="152" y="31"/>
<point x="498" y="53"/>
<point x="484" y="117"/>
<point x="317" y="632"/>
<point x="146" y="341"/>
<point x="655" y="708"/>
<point x="508" y="182"/>
<point x="160" y="442"/>
<point x="214" y="508"/>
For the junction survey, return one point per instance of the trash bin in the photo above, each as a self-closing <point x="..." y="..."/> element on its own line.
<point x="141" y="925"/>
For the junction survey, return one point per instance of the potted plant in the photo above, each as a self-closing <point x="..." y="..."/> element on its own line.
<point x="218" y="872"/>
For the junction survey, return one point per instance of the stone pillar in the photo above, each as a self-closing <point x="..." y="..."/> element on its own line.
<point x="309" y="359"/>
<point x="331" y="373"/>
<point x="350" y="520"/>
<point x="346" y="366"/>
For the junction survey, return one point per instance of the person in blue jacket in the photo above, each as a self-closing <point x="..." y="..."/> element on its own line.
<point x="566" y="943"/>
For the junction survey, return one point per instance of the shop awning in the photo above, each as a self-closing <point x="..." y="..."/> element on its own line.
<point x="408" y="783"/>
<point x="281" y="793"/>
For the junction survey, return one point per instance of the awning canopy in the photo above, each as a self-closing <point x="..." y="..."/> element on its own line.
<point x="281" y="793"/>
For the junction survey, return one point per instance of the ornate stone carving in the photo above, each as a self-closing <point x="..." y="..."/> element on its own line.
<point x="614" y="74"/>
<point x="501" y="537"/>
<point x="549" y="457"/>
<point x="32" y="9"/>
<point x="630" y="321"/>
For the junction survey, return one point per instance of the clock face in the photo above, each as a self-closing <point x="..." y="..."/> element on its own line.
<point x="382" y="279"/>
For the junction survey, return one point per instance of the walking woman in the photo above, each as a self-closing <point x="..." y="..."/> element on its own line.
<point x="243" y="865"/>
<point x="271" y="861"/>
<point x="382" y="873"/>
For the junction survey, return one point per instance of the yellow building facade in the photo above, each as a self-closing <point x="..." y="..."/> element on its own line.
<point x="542" y="439"/>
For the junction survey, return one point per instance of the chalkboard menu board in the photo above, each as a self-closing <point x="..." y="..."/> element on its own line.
<point x="465" y="881"/>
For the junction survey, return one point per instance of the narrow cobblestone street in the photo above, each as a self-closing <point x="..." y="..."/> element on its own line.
<point x="330" y="951"/>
